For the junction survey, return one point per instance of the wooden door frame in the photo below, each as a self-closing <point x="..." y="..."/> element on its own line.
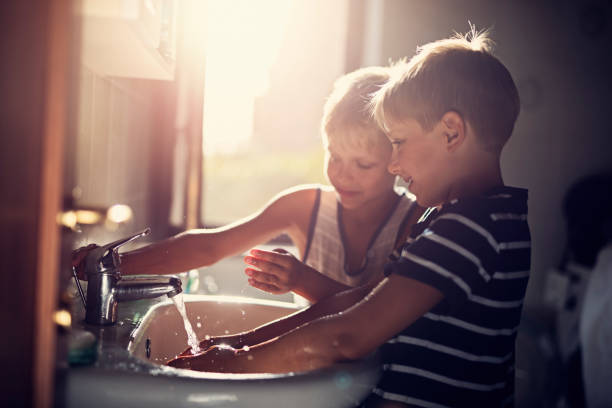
<point x="56" y="91"/>
<point x="36" y="50"/>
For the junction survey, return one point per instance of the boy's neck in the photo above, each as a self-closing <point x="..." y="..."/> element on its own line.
<point x="484" y="175"/>
<point x="372" y="211"/>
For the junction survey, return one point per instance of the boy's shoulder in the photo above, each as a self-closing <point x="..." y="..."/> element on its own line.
<point x="298" y="198"/>
<point x="498" y="215"/>
<point x="498" y="202"/>
<point x="302" y="190"/>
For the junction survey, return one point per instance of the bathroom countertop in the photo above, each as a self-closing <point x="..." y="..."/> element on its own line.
<point x="113" y="340"/>
<point x="116" y="377"/>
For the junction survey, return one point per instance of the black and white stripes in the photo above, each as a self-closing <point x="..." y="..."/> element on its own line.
<point x="476" y="251"/>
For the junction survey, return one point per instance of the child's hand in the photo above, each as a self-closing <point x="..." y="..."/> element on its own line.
<point x="216" y="358"/>
<point x="275" y="271"/>
<point x="78" y="256"/>
<point x="230" y="340"/>
<point x="204" y="345"/>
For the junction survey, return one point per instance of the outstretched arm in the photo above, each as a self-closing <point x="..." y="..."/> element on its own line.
<point x="348" y="335"/>
<point x="289" y="212"/>
<point x="328" y="306"/>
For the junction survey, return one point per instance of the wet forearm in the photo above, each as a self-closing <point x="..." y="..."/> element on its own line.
<point x="328" y="306"/>
<point x="315" y="286"/>
<point x="314" y="345"/>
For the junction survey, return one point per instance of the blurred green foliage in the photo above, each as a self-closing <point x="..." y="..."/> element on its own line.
<point x="237" y="185"/>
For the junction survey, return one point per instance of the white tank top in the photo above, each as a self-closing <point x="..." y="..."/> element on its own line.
<point x="325" y="249"/>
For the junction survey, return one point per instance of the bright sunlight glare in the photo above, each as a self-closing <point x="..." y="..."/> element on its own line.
<point x="242" y="42"/>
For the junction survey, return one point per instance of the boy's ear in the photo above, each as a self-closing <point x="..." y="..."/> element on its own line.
<point x="453" y="127"/>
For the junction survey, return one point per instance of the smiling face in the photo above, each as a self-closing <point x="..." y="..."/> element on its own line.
<point x="420" y="158"/>
<point x="358" y="171"/>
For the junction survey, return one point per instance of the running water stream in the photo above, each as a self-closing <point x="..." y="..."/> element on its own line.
<point x="192" y="339"/>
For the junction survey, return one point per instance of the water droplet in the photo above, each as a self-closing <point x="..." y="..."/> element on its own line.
<point x="250" y="357"/>
<point x="120" y="322"/>
<point x="246" y="348"/>
<point x="343" y="380"/>
<point x="226" y="332"/>
<point x="207" y="337"/>
<point x="199" y="325"/>
<point x="198" y="317"/>
<point x="243" y="312"/>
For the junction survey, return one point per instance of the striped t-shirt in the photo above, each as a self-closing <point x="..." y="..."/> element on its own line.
<point x="477" y="252"/>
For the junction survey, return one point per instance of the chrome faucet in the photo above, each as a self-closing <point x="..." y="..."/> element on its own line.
<point x="106" y="287"/>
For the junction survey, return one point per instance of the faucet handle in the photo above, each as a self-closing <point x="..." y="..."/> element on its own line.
<point x="116" y="244"/>
<point x="107" y="256"/>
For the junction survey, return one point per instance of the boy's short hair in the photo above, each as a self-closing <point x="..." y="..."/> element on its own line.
<point x="346" y="113"/>
<point x="455" y="74"/>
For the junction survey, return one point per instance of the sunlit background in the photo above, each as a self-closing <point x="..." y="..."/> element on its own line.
<point x="243" y="40"/>
<point x="264" y="92"/>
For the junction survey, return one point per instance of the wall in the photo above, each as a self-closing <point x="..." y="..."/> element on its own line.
<point x="558" y="55"/>
<point x="122" y="144"/>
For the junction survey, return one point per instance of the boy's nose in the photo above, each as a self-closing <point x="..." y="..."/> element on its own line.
<point x="344" y="174"/>
<point x="338" y="174"/>
<point x="393" y="166"/>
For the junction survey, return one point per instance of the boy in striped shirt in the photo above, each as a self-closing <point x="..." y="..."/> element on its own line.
<point x="447" y="313"/>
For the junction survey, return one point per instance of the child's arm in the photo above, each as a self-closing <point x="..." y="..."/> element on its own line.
<point x="328" y="306"/>
<point x="279" y="272"/>
<point x="203" y="247"/>
<point x="393" y="305"/>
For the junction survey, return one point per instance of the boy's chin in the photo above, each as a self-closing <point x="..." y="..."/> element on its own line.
<point x="348" y="204"/>
<point x="426" y="201"/>
<point x="422" y="203"/>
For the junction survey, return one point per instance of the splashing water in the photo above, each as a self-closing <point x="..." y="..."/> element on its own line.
<point x="192" y="339"/>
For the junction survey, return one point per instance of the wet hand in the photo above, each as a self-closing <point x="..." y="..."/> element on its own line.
<point x="215" y="359"/>
<point x="204" y="345"/>
<point x="275" y="271"/>
<point x="78" y="258"/>
<point x="230" y="340"/>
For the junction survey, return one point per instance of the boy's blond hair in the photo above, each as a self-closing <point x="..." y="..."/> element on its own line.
<point x="456" y="74"/>
<point x="346" y="114"/>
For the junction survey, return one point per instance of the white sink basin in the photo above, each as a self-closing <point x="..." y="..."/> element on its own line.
<point x="211" y="316"/>
<point x="342" y="385"/>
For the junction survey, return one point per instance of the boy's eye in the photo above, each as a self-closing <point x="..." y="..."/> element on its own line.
<point x="364" y="166"/>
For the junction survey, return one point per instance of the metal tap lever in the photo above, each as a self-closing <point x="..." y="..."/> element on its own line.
<point x="106" y="257"/>
<point x="99" y="260"/>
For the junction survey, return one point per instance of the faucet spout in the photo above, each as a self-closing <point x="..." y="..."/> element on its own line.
<point x="146" y="287"/>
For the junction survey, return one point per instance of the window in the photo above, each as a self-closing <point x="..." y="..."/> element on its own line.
<point x="269" y="67"/>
